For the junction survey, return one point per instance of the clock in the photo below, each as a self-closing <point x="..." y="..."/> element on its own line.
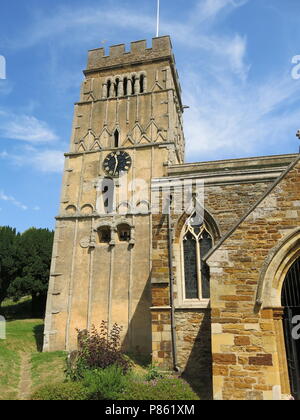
<point x="117" y="163"/>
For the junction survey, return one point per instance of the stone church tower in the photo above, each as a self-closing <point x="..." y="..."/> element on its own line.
<point x="127" y="128"/>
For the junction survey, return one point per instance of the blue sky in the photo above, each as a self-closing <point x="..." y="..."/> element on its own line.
<point x="234" y="59"/>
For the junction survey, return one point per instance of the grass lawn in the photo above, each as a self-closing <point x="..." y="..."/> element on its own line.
<point x="25" y="335"/>
<point x="24" y="368"/>
<point x="9" y="373"/>
<point x="47" y="368"/>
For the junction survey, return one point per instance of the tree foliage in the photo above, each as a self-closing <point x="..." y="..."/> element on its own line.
<point x="8" y="255"/>
<point x="33" y="260"/>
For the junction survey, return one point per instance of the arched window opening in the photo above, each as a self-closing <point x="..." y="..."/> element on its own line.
<point x="142" y="83"/>
<point x="197" y="241"/>
<point x="116" y="86"/>
<point x="125" y="86"/>
<point x="190" y="267"/>
<point x="291" y="287"/>
<point x="108" y="188"/>
<point x="117" y="138"/>
<point x="124" y="233"/>
<point x="109" y="84"/>
<point x="291" y="303"/>
<point x="133" y="80"/>
<point x="104" y="234"/>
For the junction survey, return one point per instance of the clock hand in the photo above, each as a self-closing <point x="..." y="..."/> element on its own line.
<point x="117" y="163"/>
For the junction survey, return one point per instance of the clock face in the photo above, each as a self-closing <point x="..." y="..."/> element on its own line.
<point x="116" y="163"/>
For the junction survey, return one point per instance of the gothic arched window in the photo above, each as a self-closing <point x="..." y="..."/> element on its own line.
<point x="116" y="138"/>
<point x="197" y="241"/>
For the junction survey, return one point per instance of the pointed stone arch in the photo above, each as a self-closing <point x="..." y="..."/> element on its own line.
<point x="137" y="133"/>
<point x="81" y="147"/>
<point x="156" y="87"/>
<point x="116" y="137"/>
<point x="208" y="219"/>
<point x="152" y="131"/>
<point x="275" y="268"/>
<point x="105" y="137"/>
<point x="91" y="98"/>
<point x="160" y="138"/>
<point x="96" y="146"/>
<point x="89" y="140"/>
<point x="128" y="142"/>
<point x="144" y="139"/>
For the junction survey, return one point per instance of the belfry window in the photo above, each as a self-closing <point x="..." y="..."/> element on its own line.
<point x="109" y="85"/>
<point x="133" y="85"/>
<point x="124" y="233"/>
<point x="117" y="138"/>
<point x="116" y="86"/>
<point x="142" y="84"/>
<point x="125" y="83"/>
<point x="104" y="235"/>
<point x="197" y="241"/>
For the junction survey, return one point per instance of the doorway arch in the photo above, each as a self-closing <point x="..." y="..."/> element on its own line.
<point x="290" y="300"/>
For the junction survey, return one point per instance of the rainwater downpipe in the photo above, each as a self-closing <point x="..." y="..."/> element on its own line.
<point x="171" y="278"/>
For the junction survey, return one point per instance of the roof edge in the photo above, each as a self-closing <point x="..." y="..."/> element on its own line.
<point x="242" y="219"/>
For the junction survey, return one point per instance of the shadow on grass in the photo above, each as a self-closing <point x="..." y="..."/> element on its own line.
<point x="22" y="311"/>
<point x="38" y="331"/>
<point x="14" y="311"/>
<point x="139" y="359"/>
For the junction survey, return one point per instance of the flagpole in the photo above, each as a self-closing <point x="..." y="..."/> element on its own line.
<point x="158" y="17"/>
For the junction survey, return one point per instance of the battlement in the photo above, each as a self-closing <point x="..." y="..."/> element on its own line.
<point x="161" y="47"/>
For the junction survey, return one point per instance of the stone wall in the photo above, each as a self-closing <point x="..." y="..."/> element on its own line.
<point x="248" y="353"/>
<point x="226" y="203"/>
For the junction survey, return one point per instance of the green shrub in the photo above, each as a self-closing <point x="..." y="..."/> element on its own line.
<point x="159" y="390"/>
<point x="112" y="384"/>
<point x="99" y="350"/>
<point x="105" y="384"/>
<point x="69" y="391"/>
<point x="153" y="373"/>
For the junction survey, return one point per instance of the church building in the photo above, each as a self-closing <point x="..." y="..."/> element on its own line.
<point x="198" y="262"/>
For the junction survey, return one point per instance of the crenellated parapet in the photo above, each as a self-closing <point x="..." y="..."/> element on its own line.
<point x="161" y="48"/>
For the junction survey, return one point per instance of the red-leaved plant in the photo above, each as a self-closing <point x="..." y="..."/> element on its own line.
<point x="99" y="350"/>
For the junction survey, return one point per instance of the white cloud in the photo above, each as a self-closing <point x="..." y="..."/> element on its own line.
<point x="210" y="9"/>
<point x="25" y="128"/>
<point x="228" y="112"/>
<point x="233" y="119"/>
<point x="11" y="199"/>
<point x="47" y="161"/>
<point x="80" y="26"/>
